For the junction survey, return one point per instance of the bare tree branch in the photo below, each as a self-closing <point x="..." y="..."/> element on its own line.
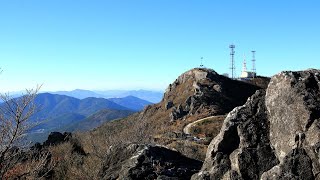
<point x="14" y="116"/>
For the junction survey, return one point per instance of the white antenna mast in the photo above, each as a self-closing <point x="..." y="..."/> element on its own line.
<point x="244" y="68"/>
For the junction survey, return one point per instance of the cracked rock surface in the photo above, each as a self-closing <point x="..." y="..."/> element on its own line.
<point x="275" y="135"/>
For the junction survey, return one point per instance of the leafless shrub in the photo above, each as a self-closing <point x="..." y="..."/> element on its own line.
<point x="14" y="116"/>
<point x="36" y="167"/>
<point x="71" y="165"/>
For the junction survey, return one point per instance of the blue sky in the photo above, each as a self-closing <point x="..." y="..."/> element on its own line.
<point x="146" y="44"/>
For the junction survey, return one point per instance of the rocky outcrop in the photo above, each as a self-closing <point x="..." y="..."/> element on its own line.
<point x="296" y="165"/>
<point x="178" y="113"/>
<point x="55" y="138"/>
<point x="203" y="91"/>
<point x="275" y="135"/>
<point x="293" y="102"/>
<point x="138" y="161"/>
<point x="242" y="147"/>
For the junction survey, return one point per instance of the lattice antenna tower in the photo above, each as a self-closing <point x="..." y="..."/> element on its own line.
<point x="232" y="64"/>
<point x="254" y="63"/>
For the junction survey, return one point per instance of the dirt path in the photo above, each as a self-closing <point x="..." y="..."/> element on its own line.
<point x="187" y="128"/>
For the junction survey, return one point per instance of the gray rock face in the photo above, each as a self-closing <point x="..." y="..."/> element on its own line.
<point x="293" y="102"/>
<point x="138" y="161"/>
<point x="203" y="91"/>
<point x="242" y="149"/>
<point x="296" y="165"/>
<point x="275" y="135"/>
<point x="177" y="113"/>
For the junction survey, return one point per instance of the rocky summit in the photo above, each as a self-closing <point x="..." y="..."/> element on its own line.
<point x="274" y="135"/>
<point x="196" y="94"/>
<point x="203" y="92"/>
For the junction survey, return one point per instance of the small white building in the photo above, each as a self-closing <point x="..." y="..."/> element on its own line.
<point x="246" y="74"/>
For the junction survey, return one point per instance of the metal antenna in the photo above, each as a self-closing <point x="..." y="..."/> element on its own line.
<point x="232" y="66"/>
<point x="201" y="65"/>
<point x="244" y="68"/>
<point x="254" y="63"/>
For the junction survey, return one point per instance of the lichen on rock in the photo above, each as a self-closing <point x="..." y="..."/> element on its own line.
<point x="275" y="135"/>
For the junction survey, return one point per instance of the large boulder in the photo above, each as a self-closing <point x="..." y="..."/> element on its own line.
<point x="138" y="161"/>
<point x="242" y="148"/>
<point x="275" y="135"/>
<point x="293" y="102"/>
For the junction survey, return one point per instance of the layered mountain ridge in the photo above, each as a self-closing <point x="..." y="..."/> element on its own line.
<point x="147" y="95"/>
<point x="65" y="113"/>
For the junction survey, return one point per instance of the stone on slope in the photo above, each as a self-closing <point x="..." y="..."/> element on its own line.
<point x="138" y="161"/>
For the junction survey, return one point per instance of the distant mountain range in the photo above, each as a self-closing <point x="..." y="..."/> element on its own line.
<point x="131" y="102"/>
<point x="151" y="96"/>
<point x="52" y="105"/>
<point x="61" y="112"/>
<point x="96" y="120"/>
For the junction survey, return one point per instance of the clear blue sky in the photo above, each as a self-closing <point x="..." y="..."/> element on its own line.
<point x="134" y="44"/>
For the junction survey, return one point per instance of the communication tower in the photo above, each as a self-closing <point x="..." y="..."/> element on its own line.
<point x="254" y="63"/>
<point x="232" y="65"/>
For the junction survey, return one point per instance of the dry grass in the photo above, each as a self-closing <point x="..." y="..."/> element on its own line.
<point x="209" y="127"/>
<point x="190" y="149"/>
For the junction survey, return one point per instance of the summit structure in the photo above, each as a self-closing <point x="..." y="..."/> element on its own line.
<point x="245" y="74"/>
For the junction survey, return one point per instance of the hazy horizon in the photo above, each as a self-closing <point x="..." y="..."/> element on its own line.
<point x="92" y="90"/>
<point x="125" y="44"/>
